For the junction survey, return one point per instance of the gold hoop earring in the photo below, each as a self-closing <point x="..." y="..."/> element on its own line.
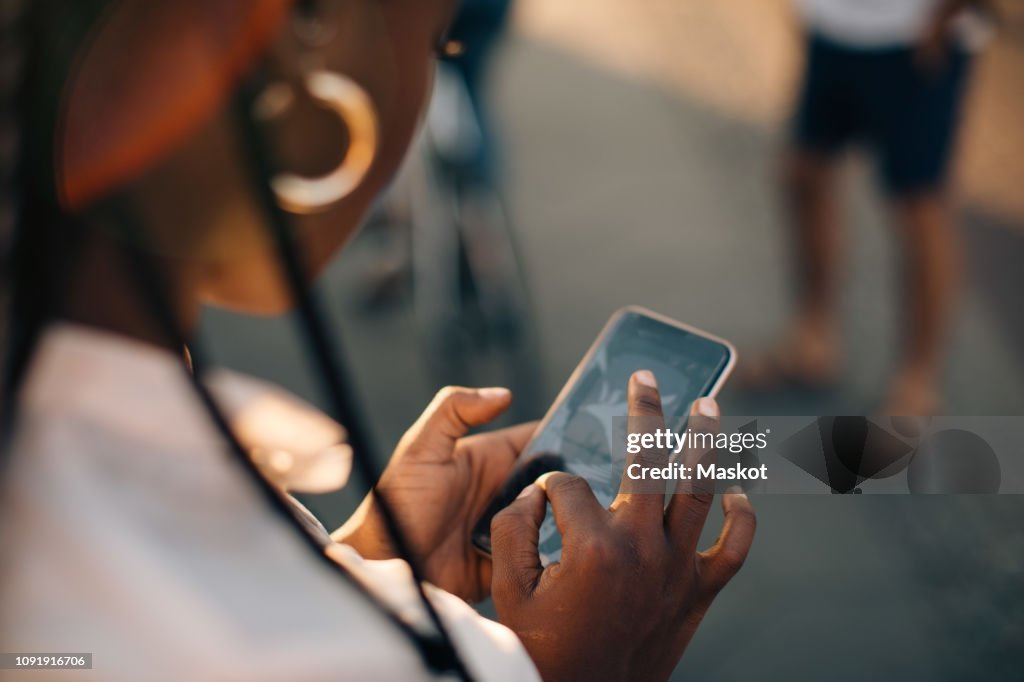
<point x="346" y="98"/>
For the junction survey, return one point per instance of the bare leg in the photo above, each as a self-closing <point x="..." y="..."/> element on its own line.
<point x="931" y="273"/>
<point x="809" y="350"/>
<point x="809" y="188"/>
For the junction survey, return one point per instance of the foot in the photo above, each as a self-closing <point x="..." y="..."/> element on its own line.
<point x="806" y="358"/>
<point x="913" y="394"/>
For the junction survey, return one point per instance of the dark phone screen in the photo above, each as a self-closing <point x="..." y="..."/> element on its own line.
<point x="577" y="434"/>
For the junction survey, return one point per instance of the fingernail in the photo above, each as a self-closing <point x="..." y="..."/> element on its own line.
<point x="494" y="393"/>
<point x="542" y="480"/>
<point x="646" y="377"/>
<point x="735" y="490"/>
<point x="527" y="491"/>
<point x="707" y="407"/>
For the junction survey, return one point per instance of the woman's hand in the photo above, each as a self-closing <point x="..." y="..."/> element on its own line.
<point x="631" y="588"/>
<point x="438" y="483"/>
<point x="933" y="46"/>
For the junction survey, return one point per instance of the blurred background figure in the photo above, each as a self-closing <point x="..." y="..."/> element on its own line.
<point x="478" y="28"/>
<point x="893" y="75"/>
<point x="443" y="232"/>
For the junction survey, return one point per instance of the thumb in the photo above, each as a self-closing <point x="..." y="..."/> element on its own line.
<point x="515" y="532"/>
<point x="453" y="412"/>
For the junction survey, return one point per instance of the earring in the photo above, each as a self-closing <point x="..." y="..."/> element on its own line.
<point x="346" y="98"/>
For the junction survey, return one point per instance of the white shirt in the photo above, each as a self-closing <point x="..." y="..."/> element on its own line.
<point x="129" y="533"/>
<point x="883" y="23"/>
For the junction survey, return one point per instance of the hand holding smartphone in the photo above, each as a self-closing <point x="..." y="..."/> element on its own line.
<point x="575" y="435"/>
<point x="631" y="586"/>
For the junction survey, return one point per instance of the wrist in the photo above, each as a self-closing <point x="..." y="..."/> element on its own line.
<point x="364" y="532"/>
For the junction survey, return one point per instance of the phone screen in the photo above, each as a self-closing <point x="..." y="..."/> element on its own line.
<point x="576" y="434"/>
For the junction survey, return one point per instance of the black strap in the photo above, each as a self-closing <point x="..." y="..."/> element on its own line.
<point x="325" y="348"/>
<point x="436" y="651"/>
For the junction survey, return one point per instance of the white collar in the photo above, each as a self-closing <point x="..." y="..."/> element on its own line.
<point x="141" y="391"/>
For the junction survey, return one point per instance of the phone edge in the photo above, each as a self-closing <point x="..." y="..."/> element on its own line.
<point x="665" y="319"/>
<point x="596" y="343"/>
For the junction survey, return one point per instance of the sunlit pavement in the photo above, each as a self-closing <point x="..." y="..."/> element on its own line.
<point x="743" y="59"/>
<point x="628" y="192"/>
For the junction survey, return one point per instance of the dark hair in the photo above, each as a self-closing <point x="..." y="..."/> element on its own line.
<point x="41" y="240"/>
<point x="13" y="60"/>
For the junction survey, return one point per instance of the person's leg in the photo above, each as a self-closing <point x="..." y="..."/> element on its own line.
<point x="826" y="118"/>
<point x="931" y="267"/>
<point x="916" y="133"/>
<point x="811" y="195"/>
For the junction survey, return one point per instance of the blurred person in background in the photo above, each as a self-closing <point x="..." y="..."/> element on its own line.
<point x="455" y="182"/>
<point x="480" y="24"/>
<point x="193" y="151"/>
<point x="892" y="74"/>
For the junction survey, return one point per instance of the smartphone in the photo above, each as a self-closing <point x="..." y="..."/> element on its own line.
<point x="576" y="433"/>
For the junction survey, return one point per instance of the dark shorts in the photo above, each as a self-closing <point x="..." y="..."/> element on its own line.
<point x="883" y="98"/>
